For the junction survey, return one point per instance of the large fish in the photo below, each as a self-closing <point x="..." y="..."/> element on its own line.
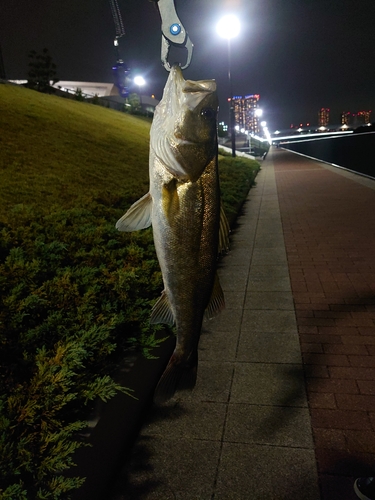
<point x="189" y="226"/>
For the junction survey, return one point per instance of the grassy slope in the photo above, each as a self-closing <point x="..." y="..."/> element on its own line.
<point x="54" y="149"/>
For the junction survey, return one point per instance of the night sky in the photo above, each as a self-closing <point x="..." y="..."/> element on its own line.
<point x="299" y="55"/>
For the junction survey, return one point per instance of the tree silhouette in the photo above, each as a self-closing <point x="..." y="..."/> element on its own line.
<point x="42" y="71"/>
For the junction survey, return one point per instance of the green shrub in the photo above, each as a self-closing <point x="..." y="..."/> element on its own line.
<point x="75" y="295"/>
<point x="237" y="175"/>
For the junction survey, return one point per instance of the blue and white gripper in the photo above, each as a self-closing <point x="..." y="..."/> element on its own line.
<point x="175" y="29"/>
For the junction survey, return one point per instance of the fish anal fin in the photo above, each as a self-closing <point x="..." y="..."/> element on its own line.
<point x="162" y="312"/>
<point x="223" y="231"/>
<point x="217" y="302"/>
<point x="178" y="376"/>
<point x="138" y="216"/>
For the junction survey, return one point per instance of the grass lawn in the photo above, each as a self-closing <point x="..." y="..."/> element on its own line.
<point x="59" y="150"/>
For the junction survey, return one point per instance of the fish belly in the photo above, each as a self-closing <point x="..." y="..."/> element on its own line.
<point x="185" y="224"/>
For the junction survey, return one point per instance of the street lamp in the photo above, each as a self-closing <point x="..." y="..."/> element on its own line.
<point x="139" y="81"/>
<point x="229" y="27"/>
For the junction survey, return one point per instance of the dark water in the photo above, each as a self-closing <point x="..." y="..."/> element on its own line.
<point x="355" y="152"/>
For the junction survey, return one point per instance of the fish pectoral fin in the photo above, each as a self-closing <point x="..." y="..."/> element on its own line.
<point x="138" y="216"/>
<point x="162" y="312"/>
<point x="217" y="302"/>
<point x="223" y="231"/>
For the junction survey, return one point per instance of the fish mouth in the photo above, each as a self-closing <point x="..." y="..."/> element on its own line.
<point x="190" y="86"/>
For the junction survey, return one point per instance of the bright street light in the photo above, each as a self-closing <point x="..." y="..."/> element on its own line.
<point x="139" y="81"/>
<point x="228" y="27"/>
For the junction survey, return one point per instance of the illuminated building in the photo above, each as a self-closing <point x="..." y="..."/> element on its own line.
<point x="247" y="112"/>
<point x="363" y="117"/>
<point x="239" y="115"/>
<point x="345" y="118"/>
<point x="355" y="119"/>
<point x="323" y="117"/>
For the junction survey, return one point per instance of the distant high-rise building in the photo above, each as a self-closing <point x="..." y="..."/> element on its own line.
<point x="239" y="115"/>
<point x="355" y="119"/>
<point x="345" y="118"/>
<point x="247" y="112"/>
<point x="363" y="117"/>
<point x="323" y="117"/>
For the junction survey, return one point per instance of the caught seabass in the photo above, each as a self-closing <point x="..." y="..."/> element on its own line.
<point x="189" y="227"/>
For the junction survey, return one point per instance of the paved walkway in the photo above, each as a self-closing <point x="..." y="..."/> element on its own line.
<point x="265" y="421"/>
<point x="329" y="229"/>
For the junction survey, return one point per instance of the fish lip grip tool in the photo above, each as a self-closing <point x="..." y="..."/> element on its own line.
<point x="173" y="33"/>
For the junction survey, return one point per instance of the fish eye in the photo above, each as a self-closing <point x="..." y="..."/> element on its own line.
<point x="208" y="113"/>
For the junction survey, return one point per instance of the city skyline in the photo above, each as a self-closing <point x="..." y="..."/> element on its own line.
<point x="298" y="55"/>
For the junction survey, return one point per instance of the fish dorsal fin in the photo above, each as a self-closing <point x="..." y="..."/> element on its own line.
<point x="162" y="312"/>
<point x="216" y="303"/>
<point x="223" y="231"/>
<point x="138" y="216"/>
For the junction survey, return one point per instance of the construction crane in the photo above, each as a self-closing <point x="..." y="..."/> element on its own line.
<point x="173" y="34"/>
<point x="120" y="70"/>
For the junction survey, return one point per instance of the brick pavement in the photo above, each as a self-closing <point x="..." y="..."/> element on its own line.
<point x="328" y="219"/>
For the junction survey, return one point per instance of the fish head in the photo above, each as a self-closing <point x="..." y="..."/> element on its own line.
<point x="184" y="130"/>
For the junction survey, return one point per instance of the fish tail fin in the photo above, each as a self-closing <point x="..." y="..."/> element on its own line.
<point x="178" y="376"/>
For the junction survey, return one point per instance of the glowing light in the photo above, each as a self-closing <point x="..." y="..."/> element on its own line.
<point x="314" y="136"/>
<point x="263" y="124"/>
<point x="258" y="112"/>
<point x="139" y="80"/>
<point x="228" y="26"/>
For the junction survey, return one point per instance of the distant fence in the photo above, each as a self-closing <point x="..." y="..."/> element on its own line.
<point x="355" y="152"/>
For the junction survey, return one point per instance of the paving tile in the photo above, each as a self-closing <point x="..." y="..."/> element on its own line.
<point x="213" y="382"/>
<point x="234" y="299"/>
<point x="270" y="284"/>
<point x="236" y="256"/>
<point x="156" y="472"/>
<point x="217" y="346"/>
<point x="244" y="238"/>
<point x="233" y="278"/>
<point x="271" y="425"/>
<point x="332" y="439"/>
<point x="181" y="419"/>
<point x="268" y="384"/>
<point x="266" y="272"/>
<point x="266" y="472"/>
<point x="269" y="300"/>
<point x="267" y="240"/>
<point x="263" y="256"/>
<point x="269" y="321"/>
<point x="229" y="320"/>
<point x="269" y="348"/>
<point x="340" y="419"/>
